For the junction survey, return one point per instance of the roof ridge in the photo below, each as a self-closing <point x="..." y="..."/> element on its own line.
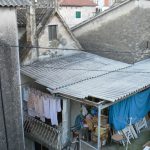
<point x="77" y="3"/>
<point x="64" y="86"/>
<point x="100" y="14"/>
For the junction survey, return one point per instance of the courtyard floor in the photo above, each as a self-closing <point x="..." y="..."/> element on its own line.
<point x="136" y="144"/>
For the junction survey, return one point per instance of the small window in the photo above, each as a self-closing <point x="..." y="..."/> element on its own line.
<point x="52" y="29"/>
<point x="78" y="14"/>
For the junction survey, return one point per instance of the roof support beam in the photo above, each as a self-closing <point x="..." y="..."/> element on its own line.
<point x="84" y="101"/>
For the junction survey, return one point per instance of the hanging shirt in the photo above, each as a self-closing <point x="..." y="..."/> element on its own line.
<point x="84" y="110"/>
<point x="25" y="93"/>
<point x="46" y="106"/>
<point x="41" y="108"/>
<point x="36" y="105"/>
<point x="30" y="105"/>
<point x="53" y="110"/>
<point x="58" y="105"/>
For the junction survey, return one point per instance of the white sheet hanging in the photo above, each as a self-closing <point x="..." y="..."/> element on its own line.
<point x="46" y="104"/>
<point x="58" y="104"/>
<point x="25" y="93"/>
<point x="53" y="110"/>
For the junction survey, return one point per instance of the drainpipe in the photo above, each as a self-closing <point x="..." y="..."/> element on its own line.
<point x="31" y="30"/>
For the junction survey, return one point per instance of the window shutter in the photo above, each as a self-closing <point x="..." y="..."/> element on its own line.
<point x="78" y="14"/>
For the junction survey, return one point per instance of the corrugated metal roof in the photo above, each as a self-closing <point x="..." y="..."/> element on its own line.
<point x="14" y="3"/>
<point x="69" y="70"/>
<point x="83" y="74"/>
<point x="115" y="85"/>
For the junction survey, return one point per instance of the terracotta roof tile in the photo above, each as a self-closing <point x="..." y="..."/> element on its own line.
<point x="77" y="3"/>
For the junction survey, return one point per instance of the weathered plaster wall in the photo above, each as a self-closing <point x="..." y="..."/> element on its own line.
<point x="121" y="34"/>
<point x="64" y="41"/>
<point x="21" y="31"/>
<point x="104" y="18"/>
<point x="75" y="108"/>
<point x="69" y="14"/>
<point x="10" y="82"/>
<point x="29" y="144"/>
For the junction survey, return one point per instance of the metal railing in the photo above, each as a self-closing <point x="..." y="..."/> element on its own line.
<point x="43" y="133"/>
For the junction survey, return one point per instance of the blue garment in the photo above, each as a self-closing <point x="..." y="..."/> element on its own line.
<point x="129" y="110"/>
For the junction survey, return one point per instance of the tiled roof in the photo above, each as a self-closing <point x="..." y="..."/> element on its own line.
<point x="40" y="13"/>
<point x="77" y="3"/>
<point x="14" y="3"/>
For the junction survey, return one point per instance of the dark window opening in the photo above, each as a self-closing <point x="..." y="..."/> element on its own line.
<point x="39" y="146"/>
<point x="52" y="29"/>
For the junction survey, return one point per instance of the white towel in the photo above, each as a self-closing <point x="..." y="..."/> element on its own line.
<point x="46" y="104"/>
<point x="58" y="105"/>
<point x="53" y="111"/>
<point x="41" y="108"/>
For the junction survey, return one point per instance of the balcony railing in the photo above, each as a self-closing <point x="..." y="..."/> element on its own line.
<point x="42" y="133"/>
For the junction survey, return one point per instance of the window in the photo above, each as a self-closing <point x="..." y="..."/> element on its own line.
<point x="52" y="29"/>
<point x="78" y="14"/>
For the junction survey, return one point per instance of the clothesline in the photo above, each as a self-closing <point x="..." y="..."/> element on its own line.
<point x="42" y="105"/>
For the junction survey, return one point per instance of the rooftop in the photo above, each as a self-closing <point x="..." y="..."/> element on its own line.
<point x="120" y="33"/>
<point x="14" y="3"/>
<point x="39" y="12"/>
<point x="78" y="3"/>
<point x="82" y="74"/>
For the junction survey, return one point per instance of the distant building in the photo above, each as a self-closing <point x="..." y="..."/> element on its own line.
<point x="52" y="33"/>
<point x="119" y="33"/>
<point x="76" y="11"/>
<point x="105" y="4"/>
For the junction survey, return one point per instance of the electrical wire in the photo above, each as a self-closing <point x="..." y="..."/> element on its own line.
<point x="31" y="47"/>
<point x="60" y="68"/>
<point x="75" y="69"/>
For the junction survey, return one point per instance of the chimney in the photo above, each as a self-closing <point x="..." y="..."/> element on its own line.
<point x="32" y="40"/>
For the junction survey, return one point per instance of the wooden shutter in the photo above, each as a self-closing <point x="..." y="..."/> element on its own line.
<point x="78" y="14"/>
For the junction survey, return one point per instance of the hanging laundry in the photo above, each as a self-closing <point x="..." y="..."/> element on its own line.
<point x="46" y="104"/>
<point x="53" y="111"/>
<point x="41" y="108"/>
<point x="30" y="105"/>
<point x="84" y="110"/>
<point x="58" y="104"/>
<point x="25" y="93"/>
<point x="36" y="105"/>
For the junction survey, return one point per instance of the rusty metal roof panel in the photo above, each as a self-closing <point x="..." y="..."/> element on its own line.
<point x="14" y="3"/>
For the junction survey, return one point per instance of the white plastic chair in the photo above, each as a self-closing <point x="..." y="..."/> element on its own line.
<point x="128" y="134"/>
<point x="133" y="131"/>
<point x="140" y="125"/>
